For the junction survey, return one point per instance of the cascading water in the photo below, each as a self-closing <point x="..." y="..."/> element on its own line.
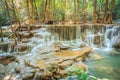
<point x="107" y="40"/>
<point x="41" y="40"/>
<point x="110" y="35"/>
<point x="89" y="34"/>
<point x="89" y="38"/>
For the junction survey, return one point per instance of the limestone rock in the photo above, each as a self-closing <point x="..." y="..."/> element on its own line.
<point x="27" y="76"/>
<point x="80" y="65"/>
<point x="18" y="69"/>
<point x="82" y="45"/>
<point x="65" y="64"/>
<point x="22" y="47"/>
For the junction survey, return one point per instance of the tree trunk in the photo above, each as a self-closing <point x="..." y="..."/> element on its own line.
<point x="16" y="19"/>
<point x="75" y="9"/>
<point x="54" y="9"/>
<point x="1" y="32"/>
<point x="48" y="14"/>
<point x="111" y="12"/>
<point x="94" y="12"/>
<point x="105" y="12"/>
<point x="45" y="10"/>
<point x="28" y="11"/>
<point x="14" y="36"/>
<point x="32" y="11"/>
<point x="36" y="10"/>
<point x="84" y="11"/>
<point x="79" y="11"/>
<point x="66" y="10"/>
<point x="98" y="15"/>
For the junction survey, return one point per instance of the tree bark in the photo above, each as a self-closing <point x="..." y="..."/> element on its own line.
<point x="94" y="12"/>
<point x="45" y="10"/>
<point x="28" y="11"/>
<point x="75" y="9"/>
<point x="84" y="11"/>
<point x="14" y="36"/>
<point x="1" y="32"/>
<point x="79" y="11"/>
<point x="111" y="12"/>
<point x="36" y="9"/>
<point x="66" y="10"/>
<point x="105" y="12"/>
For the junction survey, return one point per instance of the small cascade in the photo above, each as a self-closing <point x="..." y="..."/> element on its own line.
<point x="89" y="40"/>
<point x="9" y="48"/>
<point x="41" y="40"/>
<point x="93" y="37"/>
<point x="110" y="35"/>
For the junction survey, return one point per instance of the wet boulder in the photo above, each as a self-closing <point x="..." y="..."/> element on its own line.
<point x="25" y="34"/>
<point x="49" y="22"/>
<point x="97" y="39"/>
<point x="5" y="46"/>
<point x="22" y="47"/>
<point x="27" y="76"/>
<point x="82" y="45"/>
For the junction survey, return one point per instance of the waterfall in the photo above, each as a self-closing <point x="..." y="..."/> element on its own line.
<point x="89" y="40"/>
<point x="107" y="38"/>
<point x="42" y="40"/>
<point x="110" y="34"/>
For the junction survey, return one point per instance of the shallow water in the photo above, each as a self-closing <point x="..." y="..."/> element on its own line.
<point x="107" y="67"/>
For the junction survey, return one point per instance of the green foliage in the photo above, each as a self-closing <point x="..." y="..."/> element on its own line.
<point x="81" y="74"/>
<point x="57" y="9"/>
<point x="116" y="12"/>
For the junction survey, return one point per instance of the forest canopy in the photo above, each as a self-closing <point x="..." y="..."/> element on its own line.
<point x="29" y="11"/>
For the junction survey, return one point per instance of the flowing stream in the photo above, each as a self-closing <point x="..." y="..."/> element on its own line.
<point x="98" y="37"/>
<point x="107" y="67"/>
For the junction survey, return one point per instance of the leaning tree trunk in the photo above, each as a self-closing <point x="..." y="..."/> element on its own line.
<point x="94" y="12"/>
<point x="105" y="12"/>
<point x="16" y="19"/>
<point x="13" y="33"/>
<point x="111" y="12"/>
<point x="1" y="33"/>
